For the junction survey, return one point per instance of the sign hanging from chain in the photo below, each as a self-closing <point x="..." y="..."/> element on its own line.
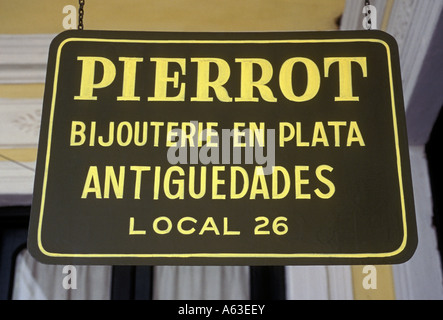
<point x="223" y="149"/>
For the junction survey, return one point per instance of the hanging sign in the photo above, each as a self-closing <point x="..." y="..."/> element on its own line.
<point x="223" y="149"/>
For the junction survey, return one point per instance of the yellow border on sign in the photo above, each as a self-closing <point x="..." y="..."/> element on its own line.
<point x="224" y="255"/>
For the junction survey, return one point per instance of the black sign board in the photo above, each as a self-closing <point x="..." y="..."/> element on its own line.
<point x="223" y="149"/>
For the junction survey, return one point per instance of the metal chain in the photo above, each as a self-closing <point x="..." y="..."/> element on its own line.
<point x="368" y="13"/>
<point x="80" y="14"/>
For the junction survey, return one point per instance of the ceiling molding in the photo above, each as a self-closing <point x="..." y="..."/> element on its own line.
<point x="23" y="58"/>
